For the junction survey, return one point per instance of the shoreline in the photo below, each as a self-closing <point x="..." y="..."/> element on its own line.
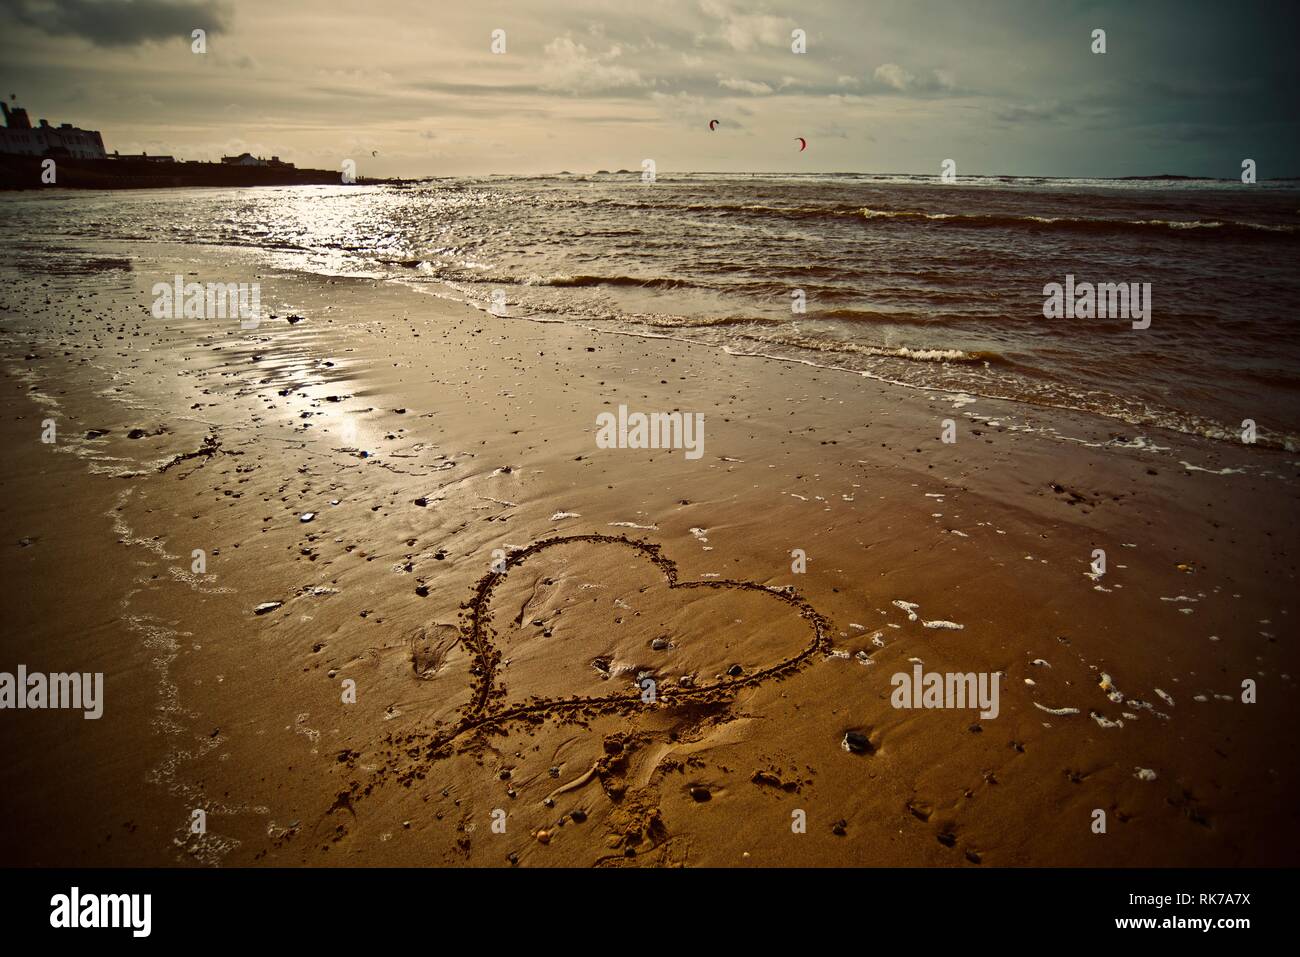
<point x="497" y="433"/>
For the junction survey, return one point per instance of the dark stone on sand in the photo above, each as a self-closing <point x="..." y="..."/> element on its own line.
<point x="701" y="793"/>
<point x="659" y="644"/>
<point x="840" y="827"/>
<point x="920" y="810"/>
<point x="267" y="606"/>
<point x="735" y="671"/>
<point x="578" y="815"/>
<point x="421" y="501"/>
<point x="422" y="591"/>
<point x="136" y="434"/>
<point x="96" y="433"/>
<point x="857" y="743"/>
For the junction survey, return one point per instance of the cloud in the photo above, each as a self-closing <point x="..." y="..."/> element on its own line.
<point x="744" y="86"/>
<point x="831" y="131"/>
<point x="120" y="23"/>
<point x="746" y="31"/>
<point x="893" y="75"/>
<point x="570" y="67"/>
<point x="1034" y="113"/>
<point x="683" y="109"/>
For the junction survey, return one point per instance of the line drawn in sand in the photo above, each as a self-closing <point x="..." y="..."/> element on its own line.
<point x="485" y="712"/>
<point x="481" y="714"/>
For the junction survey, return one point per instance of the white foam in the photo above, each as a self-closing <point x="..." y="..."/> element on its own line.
<point x="1056" y="711"/>
<point x="907" y="606"/>
<point x="1196" y="468"/>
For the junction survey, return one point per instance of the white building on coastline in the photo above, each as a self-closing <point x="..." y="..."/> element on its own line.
<point x="18" y="136"/>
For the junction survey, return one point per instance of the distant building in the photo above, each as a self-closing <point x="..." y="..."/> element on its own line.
<point x="248" y="159"/>
<point x="142" y="158"/>
<point x="20" y="137"/>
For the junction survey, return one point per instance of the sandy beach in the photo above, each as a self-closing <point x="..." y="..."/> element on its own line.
<point x="365" y="590"/>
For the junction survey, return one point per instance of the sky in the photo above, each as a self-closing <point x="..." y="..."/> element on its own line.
<point x="412" y="87"/>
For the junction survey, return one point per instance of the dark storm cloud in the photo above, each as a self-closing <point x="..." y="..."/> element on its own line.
<point x="119" y="23"/>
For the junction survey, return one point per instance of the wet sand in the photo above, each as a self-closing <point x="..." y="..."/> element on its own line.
<point x="518" y="694"/>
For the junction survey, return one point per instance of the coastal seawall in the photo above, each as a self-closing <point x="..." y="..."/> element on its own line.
<point x="25" y="172"/>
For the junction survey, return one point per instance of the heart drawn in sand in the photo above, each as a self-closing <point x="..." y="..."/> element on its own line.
<point x="564" y="656"/>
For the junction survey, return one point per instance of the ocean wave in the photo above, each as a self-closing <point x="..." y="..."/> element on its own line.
<point x="700" y="322"/>
<point x="908" y="353"/>
<point x="648" y="282"/>
<point x="1283" y="231"/>
<point x="1081" y="223"/>
<point x="877" y="317"/>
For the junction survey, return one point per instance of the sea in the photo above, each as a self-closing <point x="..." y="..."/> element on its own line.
<point x="931" y="285"/>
